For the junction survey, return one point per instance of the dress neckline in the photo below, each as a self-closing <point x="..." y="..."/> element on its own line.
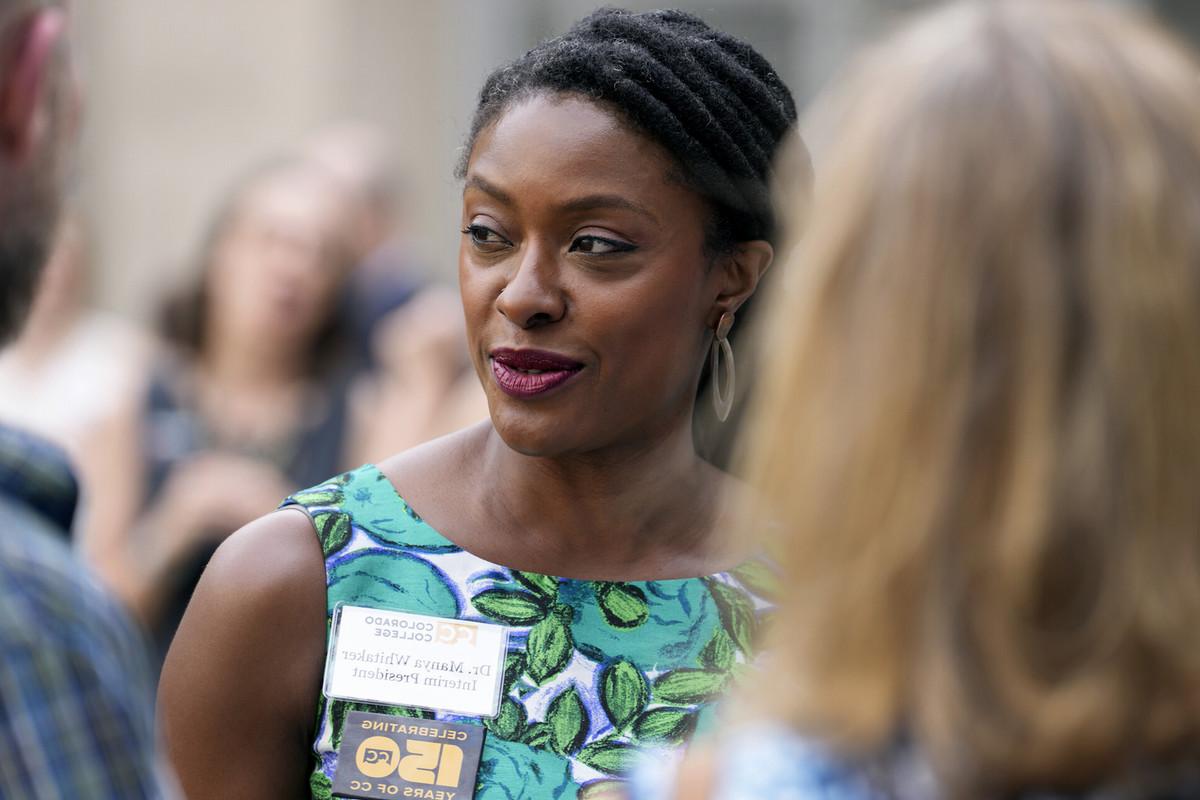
<point x="413" y="514"/>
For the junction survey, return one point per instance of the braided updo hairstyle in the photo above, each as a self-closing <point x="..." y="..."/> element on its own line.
<point x="709" y="99"/>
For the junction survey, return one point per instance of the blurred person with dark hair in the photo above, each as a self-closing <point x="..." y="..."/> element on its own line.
<point x="75" y="703"/>
<point x="978" y="438"/>
<point x="246" y="406"/>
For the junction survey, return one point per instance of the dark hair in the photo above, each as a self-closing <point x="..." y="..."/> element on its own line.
<point x="183" y="315"/>
<point x="708" y="98"/>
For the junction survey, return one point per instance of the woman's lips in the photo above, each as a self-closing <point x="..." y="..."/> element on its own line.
<point x="527" y="373"/>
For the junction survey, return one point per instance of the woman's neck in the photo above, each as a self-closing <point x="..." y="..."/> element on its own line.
<point x="648" y="508"/>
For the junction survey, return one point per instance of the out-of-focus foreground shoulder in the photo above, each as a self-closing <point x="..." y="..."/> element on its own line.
<point x="241" y="682"/>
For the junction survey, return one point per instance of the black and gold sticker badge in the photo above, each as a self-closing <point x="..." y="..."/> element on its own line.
<point x="399" y="757"/>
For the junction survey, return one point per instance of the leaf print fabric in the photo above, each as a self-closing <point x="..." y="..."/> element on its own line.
<point x="596" y="670"/>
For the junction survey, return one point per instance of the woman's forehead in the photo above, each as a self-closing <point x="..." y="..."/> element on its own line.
<point x="569" y="147"/>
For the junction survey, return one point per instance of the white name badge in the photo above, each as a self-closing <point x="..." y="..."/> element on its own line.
<point x="399" y="659"/>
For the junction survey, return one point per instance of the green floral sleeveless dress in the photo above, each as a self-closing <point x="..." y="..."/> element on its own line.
<point x="594" y="669"/>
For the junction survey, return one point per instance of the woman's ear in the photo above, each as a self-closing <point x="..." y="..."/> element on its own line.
<point x="740" y="271"/>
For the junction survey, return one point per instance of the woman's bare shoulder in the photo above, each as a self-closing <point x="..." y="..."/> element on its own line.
<point x="251" y="648"/>
<point x="288" y="536"/>
<point x="265" y="585"/>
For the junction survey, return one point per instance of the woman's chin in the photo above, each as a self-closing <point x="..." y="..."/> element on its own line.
<point x="535" y="435"/>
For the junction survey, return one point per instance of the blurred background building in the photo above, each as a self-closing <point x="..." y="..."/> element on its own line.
<point x="182" y="97"/>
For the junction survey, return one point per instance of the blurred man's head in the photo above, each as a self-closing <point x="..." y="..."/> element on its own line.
<point x="36" y="109"/>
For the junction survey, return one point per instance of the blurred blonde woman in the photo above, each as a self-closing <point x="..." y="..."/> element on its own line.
<point x="980" y="427"/>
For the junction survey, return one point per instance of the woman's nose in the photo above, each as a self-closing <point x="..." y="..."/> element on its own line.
<point x="533" y="296"/>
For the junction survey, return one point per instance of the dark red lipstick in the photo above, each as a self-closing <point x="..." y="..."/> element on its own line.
<point x="528" y="373"/>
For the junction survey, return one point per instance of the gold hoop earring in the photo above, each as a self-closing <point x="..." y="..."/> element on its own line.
<point x="722" y="351"/>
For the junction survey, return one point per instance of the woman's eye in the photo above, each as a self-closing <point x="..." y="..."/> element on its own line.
<point x="484" y="237"/>
<point x="598" y="245"/>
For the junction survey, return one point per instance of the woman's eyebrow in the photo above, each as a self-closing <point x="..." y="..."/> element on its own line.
<point x="594" y="201"/>
<point x="589" y="202"/>
<point x="487" y="187"/>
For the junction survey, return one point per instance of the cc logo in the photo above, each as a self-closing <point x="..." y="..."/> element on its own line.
<point x="377" y="756"/>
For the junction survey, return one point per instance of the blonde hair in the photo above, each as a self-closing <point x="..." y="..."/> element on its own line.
<point x="980" y="424"/>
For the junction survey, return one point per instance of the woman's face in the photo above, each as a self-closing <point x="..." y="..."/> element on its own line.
<point x="584" y="280"/>
<point x="277" y="266"/>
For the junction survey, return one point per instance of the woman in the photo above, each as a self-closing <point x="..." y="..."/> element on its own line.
<point x="979" y="429"/>
<point x="247" y="404"/>
<point x="615" y="216"/>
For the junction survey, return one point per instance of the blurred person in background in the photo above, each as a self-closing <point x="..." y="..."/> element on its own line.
<point x="418" y="382"/>
<point x="424" y="385"/>
<point x="246" y="406"/>
<point x="71" y="364"/>
<point x="75" y="694"/>
<point x="608" y="239"/>
<point x="978" y="433"/>
<point x="385" y="275"/>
